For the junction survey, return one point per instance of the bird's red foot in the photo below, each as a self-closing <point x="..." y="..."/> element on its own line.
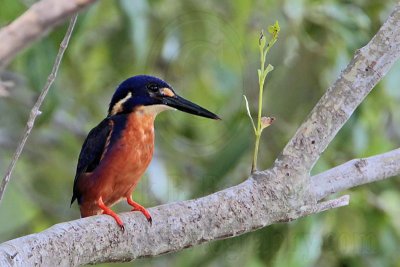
<point x="108" y="211"/>
<point x="138" y="207"/>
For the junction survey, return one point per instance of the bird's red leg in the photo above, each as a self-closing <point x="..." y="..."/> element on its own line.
<point x="139" y="207"/>
<point x="108" y="211"/>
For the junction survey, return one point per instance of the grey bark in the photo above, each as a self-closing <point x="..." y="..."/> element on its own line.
<point x="356" y="172"/>
<point x="42" y="17"/>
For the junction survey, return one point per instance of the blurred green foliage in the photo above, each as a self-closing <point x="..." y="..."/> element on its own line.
<point x="208" y="50"/>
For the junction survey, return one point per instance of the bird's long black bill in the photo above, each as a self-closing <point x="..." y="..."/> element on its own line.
<point x="186" y="106"/>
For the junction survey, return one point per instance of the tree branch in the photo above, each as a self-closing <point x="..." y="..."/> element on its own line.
<point x="368" y="66"/>
<point x="36" y="108"/>
<point x="357" y="172"/>
<point x="176" y="226"/>
<point x="39" y="19"/>
<point x="228" y="213"/>
<point x="265" y="198"/>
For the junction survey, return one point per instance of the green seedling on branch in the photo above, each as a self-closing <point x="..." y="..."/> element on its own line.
<point x="262" y="122"/>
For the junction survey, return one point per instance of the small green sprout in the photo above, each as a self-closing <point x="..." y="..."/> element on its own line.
<point x="262" y="122"/>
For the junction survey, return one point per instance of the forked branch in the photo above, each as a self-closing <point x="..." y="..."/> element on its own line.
<point x="263" y="199"/>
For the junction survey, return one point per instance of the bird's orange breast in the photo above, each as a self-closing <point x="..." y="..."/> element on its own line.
<point x="122" y="164"/>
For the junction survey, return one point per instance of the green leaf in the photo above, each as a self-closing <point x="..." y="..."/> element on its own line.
<point x="269" y="68"/>
<point x="274" y="30"/>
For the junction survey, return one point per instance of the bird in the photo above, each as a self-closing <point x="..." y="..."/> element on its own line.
<point x="117" y="152"/>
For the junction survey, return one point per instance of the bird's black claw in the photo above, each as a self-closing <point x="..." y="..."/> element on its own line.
<point x="122" y="228"/>
<point x="150" y="220"/>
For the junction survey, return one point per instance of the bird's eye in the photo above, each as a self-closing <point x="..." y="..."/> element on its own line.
<point x="153" y="87"/>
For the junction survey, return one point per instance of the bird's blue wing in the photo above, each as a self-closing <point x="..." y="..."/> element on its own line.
<point x="92" y="152"/>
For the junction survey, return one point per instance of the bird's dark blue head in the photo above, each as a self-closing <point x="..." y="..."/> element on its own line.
<point x="144" y="90"/>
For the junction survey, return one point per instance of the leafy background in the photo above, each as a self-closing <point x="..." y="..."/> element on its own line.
<point x="208" y="51"/>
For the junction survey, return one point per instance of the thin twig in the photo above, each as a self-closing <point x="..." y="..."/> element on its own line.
<point x="356" y="172"/>
<point x="317" y="208"/>
<point x="35" y="110"/>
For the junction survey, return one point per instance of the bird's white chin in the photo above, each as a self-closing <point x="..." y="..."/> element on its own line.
<point x="155" y="109"/>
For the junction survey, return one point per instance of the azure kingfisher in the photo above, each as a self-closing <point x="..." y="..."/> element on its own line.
<point x="117" y="152"/>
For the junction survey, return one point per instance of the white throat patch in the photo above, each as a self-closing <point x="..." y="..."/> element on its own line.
<point x="154" y="109"/>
